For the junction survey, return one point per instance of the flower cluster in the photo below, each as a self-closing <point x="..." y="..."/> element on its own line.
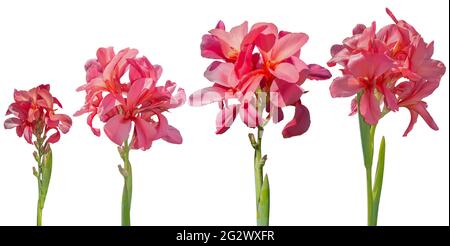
<point x="390" y="68"/>
<point x="267" y="80"/>
<point x="34" y="115"/>
<point x="139" y="101"/>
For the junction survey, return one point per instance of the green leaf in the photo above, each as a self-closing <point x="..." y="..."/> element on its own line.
<point x="264" y="203"/>
<point x="379" y="173"/>
<point x="46" y="174"/>
<point x="366" y="131"/>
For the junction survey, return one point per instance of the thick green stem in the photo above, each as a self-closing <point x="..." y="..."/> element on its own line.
<point x="257" y="165"/>
<point x="126" y="172"/>
<point x="43" y="157"/>
<point x="39" y="213"/>
<point x="369" y="197"/>
<point x="261" y="185"/>
<point x="367" y="133"/>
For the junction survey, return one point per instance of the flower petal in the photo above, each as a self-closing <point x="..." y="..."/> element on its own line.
<point x="207" y="95"/>
<point x="144" y="134"/>
<point x="225" y="118"/>
<point x="105" y="55"/>
<point x="283" y="93"/>
<point x="249" y="115"/>
<point x="371" y="66"/>
<point x="54" y="137"/>
<point x="222" y="73"/>
<point x="12" y="122"/>
<point x="173" y="135"/>
<point x="317" y="72"/>
<point x="210" y="47"/>
<point x="300" y="122"/>
<point x="287" y="46"/>
<point x="117" y="129"/>
<point x="344" y="86"/>
<point x="287" y="72"/>
<point x="369" y="107"/>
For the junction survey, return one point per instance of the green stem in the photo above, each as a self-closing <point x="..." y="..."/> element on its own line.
<point x="39" y="214"/>
<point x="369" y="197"/>
<point x="367" y="133"/>
<point x="126" y="172"/>
<point x="43" y="157"/>
<point x="257" y="165"/>
<point x="261" y="185"/>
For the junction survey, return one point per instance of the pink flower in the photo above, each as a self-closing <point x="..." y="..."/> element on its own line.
<point x="373" y="63"/>
<point x="34" y="115"/>
<point x="269" y="79"/>
<point x="139" y="102"/>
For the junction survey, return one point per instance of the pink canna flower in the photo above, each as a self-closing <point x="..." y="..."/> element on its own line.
<point x="270" y="79"/>
<point x="257" y="73"/>
<point x="34" y="115"/>
<point x="137" y="105"/>
<point x="373" y="63"/>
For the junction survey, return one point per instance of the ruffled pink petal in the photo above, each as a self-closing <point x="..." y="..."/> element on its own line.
<point x="371" y="66"/>
<point x="358" y="29"/>
<point x="303" y="69"/>
<point x="339" y="55"/>
<point x="244" y="63"/>
<point x="287" y="72"/>
<point x="178" y="99"/>
<point x="250" y="85"/>
<point x="287" y="46"/>
<point x="105" y="55"/>
<point x="317" y="72"/>
<point x="145" y="133"/>
<point x="54" y="137"/>
<point x="353" y="107"/>
<point x="277" y="114"/>
<point x="93" y="69"/>
<point x="369" y="107"/>
<point x="28" y="134"/>
<point x="134" y="93"/>
<point x="283" y="93"/>
<point x="207" y="95"/>
<point x="118" y="64"/>
<point x="11" y="123"/>
<point x="211" y="48"/>
<point x="412" y="122"/>
<point x="21" y="96"/>
<point x="389" y="97"/>
<point x="345" y="86"/>
<point x="431" y="70"/>
<point x="117" y="129"/>
<point x="173" y="135"/>
<point x="421" y="109"/>
<point x="265" y="42"/>
<point x="106" y="105"/>
<point x="249" y="115"/>
<point x="46" y="98"/>
<point x="251" y="37"/>
<point x="225" y="118"/>
<point x="300" y="122"/>
<point x="65" y="122"/>
<point x="222" y="73"/>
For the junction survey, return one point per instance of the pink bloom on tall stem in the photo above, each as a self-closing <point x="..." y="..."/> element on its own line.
<point x="256" y="74"/>
<point x="135" y="105"/>
<point x="35" y="118"/>
<point x="385" y="69"/>
<point x="374" y="63"/>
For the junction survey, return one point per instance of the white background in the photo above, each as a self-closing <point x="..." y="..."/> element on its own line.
<point x="315" y="179"/>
